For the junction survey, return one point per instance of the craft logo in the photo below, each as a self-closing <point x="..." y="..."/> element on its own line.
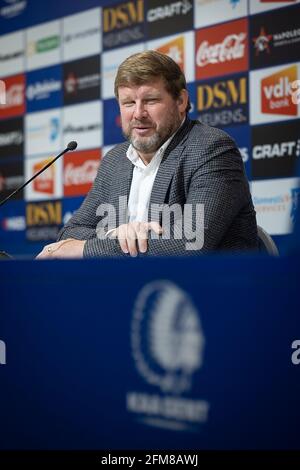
<point x="14" y="8"/>
<point x="168" y="11"/>
<point x="43" y="45"/>
<point x="223" y="103"/>
<point x="222" y="49"/>
<point x="2" y="352"/>
<point x="276" y="93"/>
<point x="276" y="150"/>
<point x="44" y="183"/>
<point x="175" y="50"/>
<point x="80" y="170"/>
<point x="169" y="16"/>
<point x="14" y="97"/>
<point x="43" y="220"/>
<point x="167" y="344"/>
<point x="123" y="24"/>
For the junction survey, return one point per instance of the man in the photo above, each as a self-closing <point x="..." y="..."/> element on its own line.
<point x="176" y="187"/>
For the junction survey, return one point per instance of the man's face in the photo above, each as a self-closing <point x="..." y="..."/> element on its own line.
<point x="150" y="115"/>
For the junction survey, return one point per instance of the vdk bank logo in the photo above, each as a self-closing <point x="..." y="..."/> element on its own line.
<point x="167" y="344"/>
<point x="2" y="352"/>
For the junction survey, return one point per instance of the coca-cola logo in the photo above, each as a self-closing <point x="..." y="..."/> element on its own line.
<point x="83" y="174"/>
<point x="231" y="48"/>
<point x="15" y="95"/>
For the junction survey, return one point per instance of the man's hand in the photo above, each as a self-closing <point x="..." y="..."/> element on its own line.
<point x="133" y="237"/>
<point x="69" y="248"/>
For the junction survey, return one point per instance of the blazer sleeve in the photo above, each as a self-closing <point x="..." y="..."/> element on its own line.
<point x="217" y="192"/>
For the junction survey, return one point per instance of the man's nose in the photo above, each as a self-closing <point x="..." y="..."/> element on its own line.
<point x="140" y="111"/>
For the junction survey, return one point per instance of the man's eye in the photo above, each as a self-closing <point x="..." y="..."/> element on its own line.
<point x="128" y="103"/>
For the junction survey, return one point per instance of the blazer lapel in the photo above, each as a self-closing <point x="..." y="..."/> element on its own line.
<point x="120" y="189"/>
<point x="168" y="166"/>
<point x="164" y="176"/>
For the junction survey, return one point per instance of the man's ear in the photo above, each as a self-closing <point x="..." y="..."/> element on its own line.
<point x="183" y="100"/>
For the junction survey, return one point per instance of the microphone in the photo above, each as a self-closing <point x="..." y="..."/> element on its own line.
<point x="71" y="146"/>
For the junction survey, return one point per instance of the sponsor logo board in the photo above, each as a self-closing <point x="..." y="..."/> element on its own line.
<point x="209" y="12"/>
<point x="82" y="80"/>
<point x="274" y="37"/>
<point x="222" y="49"/>
<point x="110" y="63"/>
<point x="11" y="177"/>
<point x="224" y="101"/>
<point x="48" y="185"/>
<point x="82" y="34"/>
<point x="43" y="132"/>
<point x="43" y="220"/>
<point x="275" y="149"/>
<point x="80" y="170"/>
<point x="276" y="202"/>
<point x="169" y="17"/>
<point x="83" y="123"/>
<point x="43" y="45"/>
<point x="258" y="6"/>
<point x="12" y="53"/>
<point x="11" y="137"/>
<point x="272" y="88"/>
<point x="14" y="97"/>
<point x="180" y="48"/>
<point x="44" y="89"/>
<point x="123" y="24"/>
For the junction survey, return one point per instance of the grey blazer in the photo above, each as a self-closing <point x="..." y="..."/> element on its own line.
<point x="201" y="165"/>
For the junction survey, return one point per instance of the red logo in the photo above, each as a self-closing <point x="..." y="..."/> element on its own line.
<point x="276" y="92"/>
<point x="14" y="97"/>
<point x="222" y="50"/>
<point x="80" y="170"/>
<point x="44" y="183"/>
<point x="262" y="42"/>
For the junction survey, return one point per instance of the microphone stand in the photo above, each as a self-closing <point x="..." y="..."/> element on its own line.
<point x="71" y="146"/>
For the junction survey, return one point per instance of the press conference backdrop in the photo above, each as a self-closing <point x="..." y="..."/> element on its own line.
<point x="57" y="67"/>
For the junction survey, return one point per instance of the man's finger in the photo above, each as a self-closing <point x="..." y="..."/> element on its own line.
<point x="131" y="238"/>
<point x="155" y="227"/>
<point x="142" y="236"/>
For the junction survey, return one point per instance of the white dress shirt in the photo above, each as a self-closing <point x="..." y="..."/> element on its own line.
<point x="142" y="182"/>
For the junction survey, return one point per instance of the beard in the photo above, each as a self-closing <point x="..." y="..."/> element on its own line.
<point x="152" y="143"/>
